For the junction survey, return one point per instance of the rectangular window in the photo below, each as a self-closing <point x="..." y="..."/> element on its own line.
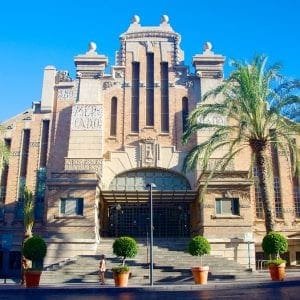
<point x="164" y="73"/>
<point x="276" y="183"/>
<point x="258" y="198"/>
<point x="4" y="176"/>
<point x="297" y="257"/>
<point x="135" y="98"/>
<point x="44" y="143"/>
<point x="185" y="113"/>
<point x="227" y="206"/>
<point x="296" y="192"/>
<point x="113" y="116"/>
<point x="24" y="153"/>
<point x="71" y="206"/>
<point x="150" y="90"/>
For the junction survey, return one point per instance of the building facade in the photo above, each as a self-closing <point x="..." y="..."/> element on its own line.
<point x="93" y="143"/>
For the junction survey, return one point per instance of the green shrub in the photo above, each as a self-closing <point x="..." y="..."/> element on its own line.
<point x="120" y="269"/>
<point x="274" y="244"/>
<point x="125" y="247"/>
<point x="276" y="262"/>
<point x="199" y="246"/>
<point x="35" y="249"/>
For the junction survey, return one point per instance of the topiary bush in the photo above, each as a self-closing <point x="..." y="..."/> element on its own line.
<point x="35" y="249"/>
<point x="199" y="246"/>
<point x="125" y="247"/>
<point x="274" y="244"/>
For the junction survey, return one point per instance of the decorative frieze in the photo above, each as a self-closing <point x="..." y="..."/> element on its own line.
<point x="83" y="164"/>
<point x="87" y="117"/>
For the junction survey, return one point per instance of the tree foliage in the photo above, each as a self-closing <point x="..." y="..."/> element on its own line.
<point x="125" y="247"/>
<point x="253" y="98"/>
<point x="28" y="211"/>
<point x="274" y="244"/>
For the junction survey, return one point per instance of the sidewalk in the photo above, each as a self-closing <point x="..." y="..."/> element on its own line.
<point x="292" y="279"/>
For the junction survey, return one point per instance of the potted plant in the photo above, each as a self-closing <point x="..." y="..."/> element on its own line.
<point x="124" y="247"/>
<point x="199" y="246"/>
<point x="273" y="245"/>
<point x="34" y="249"/>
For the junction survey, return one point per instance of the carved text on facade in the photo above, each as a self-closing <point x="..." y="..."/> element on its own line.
<point x="87" y="117"/>
<point x="83" y="164"/>
<point x="65" y="94"/>
<point x="212" y="119"/>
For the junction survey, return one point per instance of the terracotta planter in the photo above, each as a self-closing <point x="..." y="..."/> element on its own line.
<point x="32" y="278"/>
<point x="277" y="272"/>
<point x="121" y="279"/>
<point x="200" y="274"/>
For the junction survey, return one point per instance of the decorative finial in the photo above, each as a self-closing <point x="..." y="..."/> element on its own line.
<point x="207" y="46"/>
<point x="92" y="46"/>
<point x="135" y="19"/>
<point x="164" y="19"/>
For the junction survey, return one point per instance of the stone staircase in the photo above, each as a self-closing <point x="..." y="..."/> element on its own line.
<point x="171" y="265"/>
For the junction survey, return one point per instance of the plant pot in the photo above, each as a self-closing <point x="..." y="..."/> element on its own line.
<point x="121" y="279"/>
<point x="200" y="274"/>
<point x="277" y="272"/>
<point x="32" y="278"/>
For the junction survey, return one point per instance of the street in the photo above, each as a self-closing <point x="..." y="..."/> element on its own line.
<point x="269" y="291"/>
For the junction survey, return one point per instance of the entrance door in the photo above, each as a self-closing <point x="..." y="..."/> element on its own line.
<point x="169" y="220"/>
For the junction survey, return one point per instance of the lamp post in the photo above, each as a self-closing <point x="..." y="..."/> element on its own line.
<point x="151" y="186"/>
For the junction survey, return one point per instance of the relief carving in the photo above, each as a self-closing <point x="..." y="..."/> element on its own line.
<point x="63" y="76"/>
<point x="149" y="153"/>
<point x="83" y="164"/>
<point x="87" y="117"/>
<point x="65" y="94"/>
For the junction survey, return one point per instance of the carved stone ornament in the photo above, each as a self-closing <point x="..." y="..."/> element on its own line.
<point x="87" y="117"/>
<point x="83" y="164"/>
<point x="149" y="153"/>
<point x="119" y="74"/>
<point x="189" y="83"/>
<point x="65" y="94"/>
<point x="107" y="84"/>
<point x="63" y="76"/>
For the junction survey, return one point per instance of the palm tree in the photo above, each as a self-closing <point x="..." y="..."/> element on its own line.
<point x="28" y="212"/>
<point x="254" y="97"/>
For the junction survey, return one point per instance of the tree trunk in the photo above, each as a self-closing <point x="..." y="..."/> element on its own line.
<point x="265" y="195"/>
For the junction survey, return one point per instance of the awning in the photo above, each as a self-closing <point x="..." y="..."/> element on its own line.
<point x="143" y="196"/>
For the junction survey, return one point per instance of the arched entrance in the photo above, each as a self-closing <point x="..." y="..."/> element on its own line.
<point x="127" y="204"/>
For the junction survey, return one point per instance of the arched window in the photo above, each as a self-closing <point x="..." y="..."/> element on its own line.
<point x="185" y="113"/>
<point x="113" y="116"/>
<point x="136" y="180"/>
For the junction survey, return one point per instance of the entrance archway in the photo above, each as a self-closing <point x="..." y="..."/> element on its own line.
<point x="127" y="204"/>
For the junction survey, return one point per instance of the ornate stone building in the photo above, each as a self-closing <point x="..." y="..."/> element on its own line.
<point x="92" y="144"/>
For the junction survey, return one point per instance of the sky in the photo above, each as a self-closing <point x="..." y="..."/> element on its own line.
<point x="34" y="34"/>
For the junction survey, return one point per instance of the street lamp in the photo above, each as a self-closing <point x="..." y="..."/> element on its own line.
<point x="151" y="186"/>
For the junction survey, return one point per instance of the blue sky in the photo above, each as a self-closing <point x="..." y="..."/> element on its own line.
<point x="34" y="34"/>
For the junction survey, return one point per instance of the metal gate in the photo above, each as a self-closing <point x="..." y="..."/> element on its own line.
<point x="169" y="220"/>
